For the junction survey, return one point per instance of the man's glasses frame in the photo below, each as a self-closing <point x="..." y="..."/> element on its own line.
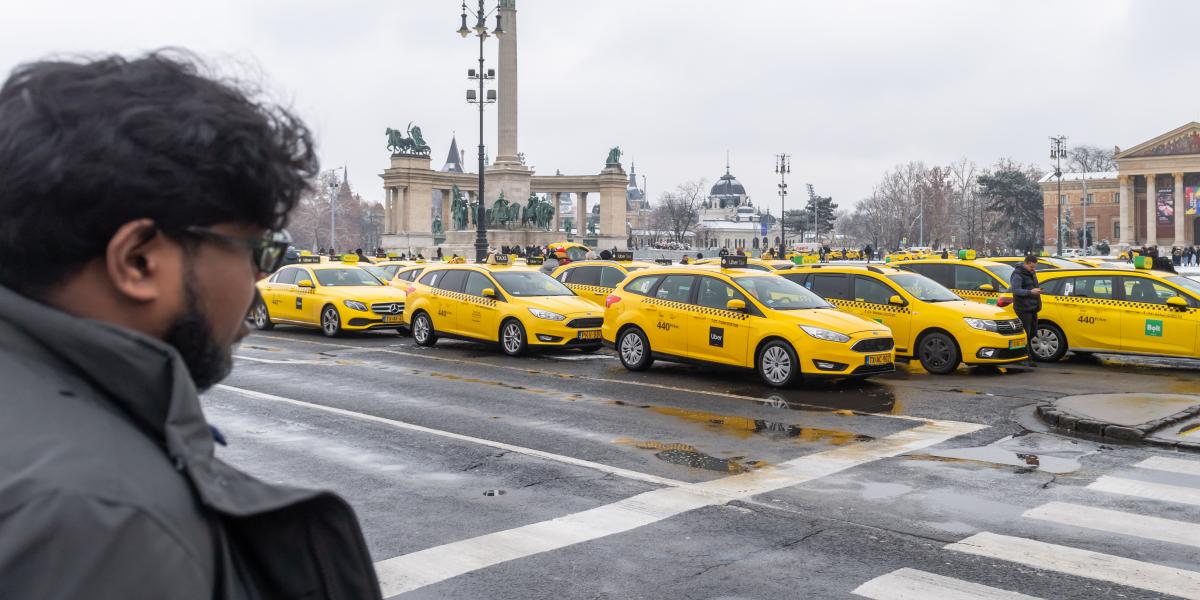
<point x="267" y="253"/>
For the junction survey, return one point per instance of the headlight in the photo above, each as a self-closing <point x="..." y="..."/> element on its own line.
<point x="825" y="334"/>
<point x="545" y="314"/>
<point x="980" y="324"/>
<point x="355" y="305"/>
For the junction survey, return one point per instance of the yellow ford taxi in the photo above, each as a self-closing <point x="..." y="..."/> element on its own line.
<point x="729" y="315"/>
<point x="595" y="279"/>
<point x="1117" y="311"/>
<point x="929" y="322"/>
<point x="980" y="281"/>
<point x="516" y="307"/>
<point x="333" y="296"/>
<point x="756" y="264"/>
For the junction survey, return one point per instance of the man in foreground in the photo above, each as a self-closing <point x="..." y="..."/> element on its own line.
<point x="160" y="194"/>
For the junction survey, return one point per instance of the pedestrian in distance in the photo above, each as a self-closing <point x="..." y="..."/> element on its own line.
<point x="361" y="257"/>
<point x="606" y="255"/>
<point x="179" y="187"/>
<point x="439" y="253"/>
<point x="1027" y="300"/>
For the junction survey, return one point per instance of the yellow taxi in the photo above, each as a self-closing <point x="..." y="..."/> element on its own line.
<point x="929" y="322"/>
<point x="516" y="307"/>
<point x="900" y="256"/>
<point x="571" y="250"/>
<point x="594" y="280"/>
<point x="391" y="266"/>
<point x="1045" y="263"/>
<point x="980" y="281"/>
<point x="1117" y="311"/>
<point x="728" y="315"/>
<point x="334" y="296"/>
<point x="756" y="264"/>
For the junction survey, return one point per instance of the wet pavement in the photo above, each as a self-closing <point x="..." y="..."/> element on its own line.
<point x="477" y="475"/>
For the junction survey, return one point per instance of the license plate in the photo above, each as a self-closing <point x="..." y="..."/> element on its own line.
<point x="591" y="334"/>
<point x="392" y="318"/>
<point x="1016" y="344"/>
<point x="879" y="359"/>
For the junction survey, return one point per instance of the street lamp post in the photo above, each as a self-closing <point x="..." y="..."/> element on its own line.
<point x="333" y="185"/>
<point x="481" y="31"/>
<point x="1058" y="152"/>
<point x="783" y="166"/>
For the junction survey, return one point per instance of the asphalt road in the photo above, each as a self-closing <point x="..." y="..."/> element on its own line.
<point x="476" y="475"/>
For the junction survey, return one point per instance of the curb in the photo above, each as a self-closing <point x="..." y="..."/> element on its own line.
<point x="1072" y="424"/>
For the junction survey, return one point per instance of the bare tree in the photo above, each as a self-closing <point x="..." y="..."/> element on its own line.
<point x="1091" y="159"/>
<point x="678" y="211"/>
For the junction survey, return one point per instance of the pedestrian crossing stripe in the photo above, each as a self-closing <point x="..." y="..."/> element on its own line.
<point x="911" y="584"/>
<point x="1115" y="521"/>
<point x="1146" y="489"/>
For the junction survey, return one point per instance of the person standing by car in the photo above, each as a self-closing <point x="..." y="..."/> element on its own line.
<point x="1027" y="299"/>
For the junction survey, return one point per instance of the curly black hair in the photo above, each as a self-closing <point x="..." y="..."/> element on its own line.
<point x="88" y="146"/>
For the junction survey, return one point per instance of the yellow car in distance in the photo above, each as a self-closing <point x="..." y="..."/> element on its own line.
<point x="332" y="296"/>
<point x="516" y="307"/>
<point x="738" y="317"/>
<point x="929" y="322"/>
<point x="757" y="264"/>
<point x="594" y="280"/>
<point x="980" y="281"/>
<point x="1117" y="311"/>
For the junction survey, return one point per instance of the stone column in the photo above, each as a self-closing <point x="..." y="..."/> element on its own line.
<point x="1151" y="216"/>
<point x="402" y="208"/>
<point x="1127" y="205"/>
<point x="554" y="198"/>
<point x="581" y="214"/>
<point x="447" y="215"/>
<point x="387" y="210"/>
<point x="507" y="105"/>
<point x="1180" y="218"/>
<point x="613" y="214"/>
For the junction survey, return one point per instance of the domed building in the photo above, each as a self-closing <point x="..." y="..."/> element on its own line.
<point x="727" y="192"/>
<point x="728" y="219"/>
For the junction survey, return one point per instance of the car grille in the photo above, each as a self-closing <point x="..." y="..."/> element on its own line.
<point x="874" y="345"/>
<point x="388" y="308"/>
<point x="1009" y="327"/>
<point x="586" y="323"/>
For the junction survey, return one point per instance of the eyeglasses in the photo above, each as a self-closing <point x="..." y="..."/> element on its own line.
<point x="267" y="252"/>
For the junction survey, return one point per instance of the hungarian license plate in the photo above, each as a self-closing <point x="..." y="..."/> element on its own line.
<point x="879" y="359"/>
<point x="1016" y="344"/>
<point x="392" y="318"/>
<point x="591" y="334"/>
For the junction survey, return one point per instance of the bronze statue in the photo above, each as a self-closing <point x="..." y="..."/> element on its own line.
<point x="458" y="209"/>
<point x="414" y="144"/>
<point x="614" y="156"/>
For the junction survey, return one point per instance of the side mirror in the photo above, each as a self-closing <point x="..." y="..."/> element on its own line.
<point x="1177" y="302"/>
<point x="488" y="292"/>
<point x="736" y="304"/>
<point x="305" y="283"/>
<point x="896" y="300"/>
<point x="987" y="287"/>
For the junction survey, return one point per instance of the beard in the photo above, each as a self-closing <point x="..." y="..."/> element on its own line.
<point x="191" y="334"/>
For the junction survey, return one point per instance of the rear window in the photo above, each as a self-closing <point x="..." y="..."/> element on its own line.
<point x="642" y="285"/>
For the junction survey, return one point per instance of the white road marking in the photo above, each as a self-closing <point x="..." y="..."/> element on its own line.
<point x="911" y="584"/>
<point x="276" y="361"/>
<point x="1146" y="489"/>
<point x="1173" y="465"/>
<point x="626" y="473"/>
<point x="1083" y="563"/>
<point x="1115" y="521"/>
<point x="426" y="567"/>
<point x="579" y="356"/>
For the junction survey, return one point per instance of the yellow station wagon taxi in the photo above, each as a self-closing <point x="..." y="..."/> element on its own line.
<point x="980" y="281"/>
<point x="517" y="307"/>
<point x="595" y="279"/>
<point x="1117" y="311"/>
<point x="334" y="296"/>
<point x="929" y="322"/>
<point x="742" y="318"/>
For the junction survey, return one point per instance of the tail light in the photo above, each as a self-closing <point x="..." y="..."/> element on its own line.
<point x="611" y="300"/>
<point x="1003" y="301"/>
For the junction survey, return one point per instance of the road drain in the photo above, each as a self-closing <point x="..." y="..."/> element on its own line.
<point x="494" y="492"/>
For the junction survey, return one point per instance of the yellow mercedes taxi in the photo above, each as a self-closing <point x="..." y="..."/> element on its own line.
<point x="1117" y="311"/>
<point x="595" y="279"/>
<point x="980" y="281"/>
<point x="757" y="264"/>
<point x="517" y="307"/>
<point x="929" y="322"/>
<point x="334" y="296"/>
<point x="729" y="315"/>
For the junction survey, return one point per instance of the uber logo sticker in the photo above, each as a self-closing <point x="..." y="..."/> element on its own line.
<point x="716" y="337"/>
<point x="1154" y="327"/>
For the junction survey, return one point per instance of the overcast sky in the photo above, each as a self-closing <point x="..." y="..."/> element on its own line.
<point x="848" y="88"/>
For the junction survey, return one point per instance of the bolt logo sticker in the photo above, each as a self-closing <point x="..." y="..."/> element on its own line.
<point x="1154" y="327"/>
<point x="716" y="337"/>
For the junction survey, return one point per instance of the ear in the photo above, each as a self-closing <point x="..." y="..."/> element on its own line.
<point x="135" y="260"/>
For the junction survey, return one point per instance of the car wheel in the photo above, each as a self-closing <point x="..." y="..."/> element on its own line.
<point x="777" y="363"/>
<point x="261" y="318"/>
<point x="512" y="338"/>
<point x="1049" y="345"/>
<point x="331" y="322"/>
<point x="422" y="330"/>
<point x="634" y="350"/>
<point x="938" y="353"/>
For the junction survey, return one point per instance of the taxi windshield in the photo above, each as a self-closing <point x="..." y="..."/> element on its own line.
<point x="1004" y="272"/>
<point x="379" y="272"/>
<point x="345" y="277"/>
<point x="1061" y="263"/>
<point x="576" y="254"/>
<point x="1190" y="285"/>
<point x="923" y="288"/>
<point x="781" y="294"/>
<point x="530" y="283"/>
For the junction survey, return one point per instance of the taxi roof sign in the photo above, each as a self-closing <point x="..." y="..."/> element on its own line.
<point x="534" y="260"/>
<point x="734" y="261"/>
<point x="623" y="256"/>
<point x="498" y="259"/>
<point x="350" y="258"/>
<point x="966" y="255"/>
<point x="663" y="261"/>
<point x="309" y="259"/>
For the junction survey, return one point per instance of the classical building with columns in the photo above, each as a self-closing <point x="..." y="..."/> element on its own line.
<point x="418" y="200"/>
<point x="1150" y="200"/>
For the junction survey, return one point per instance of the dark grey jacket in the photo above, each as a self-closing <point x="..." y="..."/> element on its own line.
<point x="1021" y="282"/>
<point x="109" y="487"/>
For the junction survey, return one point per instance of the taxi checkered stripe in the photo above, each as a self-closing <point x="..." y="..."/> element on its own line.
<point x="465" y="297"/>
<point x="975" y="293"/>
<point x="704" y="310"/>
<point x="579" y="287"/>
<point x="868" y="305"/>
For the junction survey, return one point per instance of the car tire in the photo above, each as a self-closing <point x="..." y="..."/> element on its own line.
<point x="512" y="338"/>
<point x="938" y="353"/>
<point x="634" y="350"/>
<point x="777" y="364"/>
<point x="422" y="330"/>
<point x="331" y="321"/>
<point x="1050" y="343"/>
<point x="261" y="317"/>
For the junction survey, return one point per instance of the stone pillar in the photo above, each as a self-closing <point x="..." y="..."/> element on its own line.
<point x="1180" y="216"/>
<point x="1151" y="216"/>
<point x="387" y="210"/>
<point x="1127" y="204"/>
<point x="554" y="199"/>
<point x="507" y="106"/>
<point x="581" y="214"/>
<point x="447" y="216"/>
<point x="613" y="214"/>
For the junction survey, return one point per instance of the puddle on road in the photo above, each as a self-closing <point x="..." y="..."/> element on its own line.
<point x="688" y="456"/>
<point x="1027" y="453"/>
<point x="745" y="427"/>
<point x="842" y="398"/>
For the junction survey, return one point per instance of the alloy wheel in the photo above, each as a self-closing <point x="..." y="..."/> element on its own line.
<point x="632" y="349"/>
<point x="776" y="364"/>
<point x="330" y="322"/>
<point x="1045" y="344"/>
<point x="512" y="338"/>
<point x="420" y="329"/>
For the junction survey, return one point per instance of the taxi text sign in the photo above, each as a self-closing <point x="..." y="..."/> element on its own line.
<point x="1154" y="327"/>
